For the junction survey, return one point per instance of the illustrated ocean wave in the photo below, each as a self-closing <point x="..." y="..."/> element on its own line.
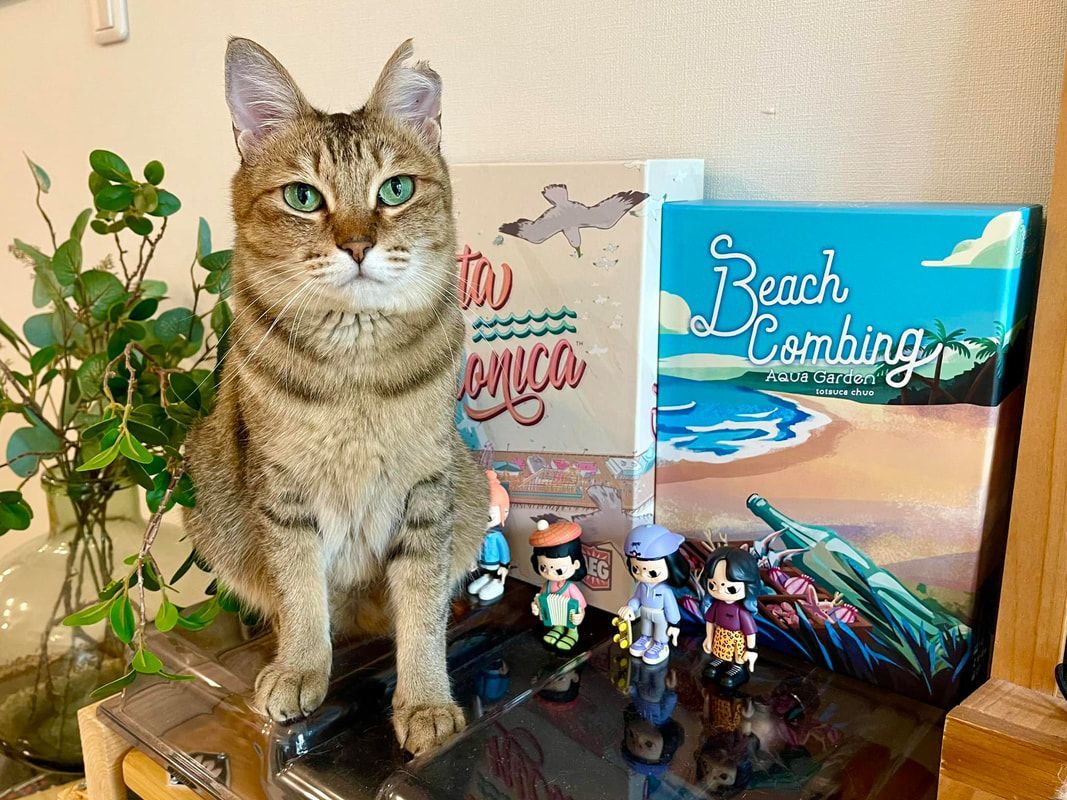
<point x="522" y="333"/>
<point x="717" y="422"/>
<point x="683" y="407"/>
<point x="525" y="319"/>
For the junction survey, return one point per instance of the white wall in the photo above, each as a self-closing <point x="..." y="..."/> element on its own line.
<point x="787" y="99"/>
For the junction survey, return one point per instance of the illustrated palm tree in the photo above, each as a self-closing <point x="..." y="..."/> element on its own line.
<point x="882" y="370"/>
<point x="990" y="352"/>
<point x="941" y="340"/>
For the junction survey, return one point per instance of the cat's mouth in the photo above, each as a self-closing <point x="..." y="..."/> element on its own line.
<point x="357" y="277"/>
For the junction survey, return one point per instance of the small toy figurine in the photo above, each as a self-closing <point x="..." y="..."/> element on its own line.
<point x="651" y="736"/>
<point x="491" y="686"/>
<point x="557" y="557"/>
<point x="731" y="578"/>
<point x="495" y="556"/>
<point x="654" y="562"/>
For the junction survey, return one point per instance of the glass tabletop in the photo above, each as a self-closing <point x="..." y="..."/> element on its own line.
<point x="596" y="724"/>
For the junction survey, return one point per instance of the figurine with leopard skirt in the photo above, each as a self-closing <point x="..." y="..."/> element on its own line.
<point x="732" y="581"/>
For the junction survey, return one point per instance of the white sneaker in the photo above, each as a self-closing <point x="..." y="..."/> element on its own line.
<point x="491" y="591"/>
<point x="478" y="584"/>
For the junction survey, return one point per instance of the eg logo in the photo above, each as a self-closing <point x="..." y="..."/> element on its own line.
<point x="598" y="566"/>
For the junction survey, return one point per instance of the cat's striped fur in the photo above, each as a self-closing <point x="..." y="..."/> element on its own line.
<point x="330" y="475"/>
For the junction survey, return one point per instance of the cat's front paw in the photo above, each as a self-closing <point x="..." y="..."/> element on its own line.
<point x="284" y="693"/>
<point x="422" y="728"/>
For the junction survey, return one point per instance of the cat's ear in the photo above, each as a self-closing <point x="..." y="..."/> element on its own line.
<point x="410" y="94"/>
<point x="260" y="93"/>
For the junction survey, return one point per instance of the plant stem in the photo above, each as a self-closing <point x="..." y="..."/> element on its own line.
<point x="122" y="260"/>
<point x="48" y="222"/>
<point x="133" y="284"/>
<point x="150" y="533"/>
<point x="29" y="402"/>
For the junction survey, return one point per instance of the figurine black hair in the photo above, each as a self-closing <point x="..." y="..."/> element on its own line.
<point x="649" y="743"/>
<point x="557" y="558"/>
<point x="571" y="550"/>
<point x="732" y="580"/>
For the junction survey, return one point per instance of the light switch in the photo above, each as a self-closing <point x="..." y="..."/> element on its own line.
<point x="110" y="20"/>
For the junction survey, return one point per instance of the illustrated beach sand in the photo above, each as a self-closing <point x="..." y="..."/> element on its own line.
<point x="900" y="485"/>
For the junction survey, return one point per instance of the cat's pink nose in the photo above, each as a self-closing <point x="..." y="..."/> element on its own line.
<point x="357" y="248"/>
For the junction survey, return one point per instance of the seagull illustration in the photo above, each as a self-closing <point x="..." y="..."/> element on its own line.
<point x="568" y="216"/>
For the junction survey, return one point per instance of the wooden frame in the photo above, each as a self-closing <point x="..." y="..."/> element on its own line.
<point x="1033" y="606"/>
<point x="1009" y="739"/>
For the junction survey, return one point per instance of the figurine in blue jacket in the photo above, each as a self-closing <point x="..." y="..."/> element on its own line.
<point x="654" y="562"/>
<point x="494" y="558"/>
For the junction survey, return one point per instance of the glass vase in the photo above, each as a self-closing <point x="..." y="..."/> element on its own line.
<point x="49" y="670"/>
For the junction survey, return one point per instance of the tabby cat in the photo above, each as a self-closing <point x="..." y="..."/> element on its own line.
<point x="330" y="474"/>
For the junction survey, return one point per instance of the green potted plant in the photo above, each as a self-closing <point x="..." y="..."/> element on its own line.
<point x="105" y="381"/>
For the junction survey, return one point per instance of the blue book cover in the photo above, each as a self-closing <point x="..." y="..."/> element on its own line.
<point x="839" y="389"/>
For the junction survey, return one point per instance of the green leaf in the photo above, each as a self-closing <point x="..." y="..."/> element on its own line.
<point x="67" y="262"/>
<point x="115" y="197"/>
<point x="172" y="324"/>
<point x="167" y="205"/>
<point x="15" y="512"/>
<point x="151" y="436"/>
<point x="90" y="375"/>
<point x="99" y="226"/>
<point x="219" y="260"/>
<point x="122" y="621"/>
<point x="203" y="239"/>
<point x="183" y="389"/>
<point x="167" y="617"/>
<point x="101" y="459"/>
<point x="98" y="290"/>
<point x="96" y="182"/>
<point x="192" y="624"/>
<point x="111" y="589"/>
<point x="155" y="496"/>
<point x="109" y="165"/>
<point x="227" y="602"/>
<point x="145" y="662"/>
<point x="134" y="331"/>
<point x="24" y="441"/>
<point x="134" y="450"/>
<point x="218" y="282"/>
<point x="145" y="198"/>
<point x="44" y="183"/>
<point x="77" y="230"/>
<point x="139" y="225"/>
<point x="153" y="173"/>
<point x="185" y="567"/>
<point x="9" y="333"/>
<point x="185" y="492"/>
<point x="181" y="676"/>
<point x="42" y="358"/>
<point x="153" y="289"/>
<point x="90" y="615"/>
<point x="145" y="309"/>
<point x="46" y="288"/>
<point x="221" y="317"/>
<point x="139" y="475"/>
<point x="114" y="687"/>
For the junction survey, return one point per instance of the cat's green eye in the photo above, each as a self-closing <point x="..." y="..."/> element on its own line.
<point x="302" y="197"/>
<point x="397" y="190"/>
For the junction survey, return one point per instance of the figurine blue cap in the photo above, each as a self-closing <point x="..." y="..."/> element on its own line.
<point x="651" y="541"/>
